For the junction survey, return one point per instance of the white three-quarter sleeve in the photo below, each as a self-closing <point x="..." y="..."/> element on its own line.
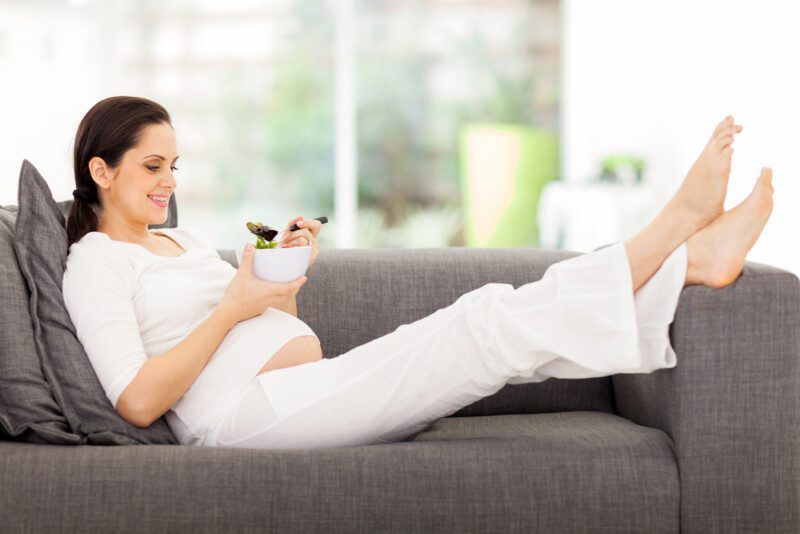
<point x="98" y="293"/>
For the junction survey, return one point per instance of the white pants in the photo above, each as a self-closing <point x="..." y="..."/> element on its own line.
<point x="580" y="320"/>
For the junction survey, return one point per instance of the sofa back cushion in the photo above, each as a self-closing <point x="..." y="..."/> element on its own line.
<point x="40" y="241"/>
<point x="356" y="295"/>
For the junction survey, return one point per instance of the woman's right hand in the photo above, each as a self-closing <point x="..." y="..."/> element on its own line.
<point x="247" y="296"/>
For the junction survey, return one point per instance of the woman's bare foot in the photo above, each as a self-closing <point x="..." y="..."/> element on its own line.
<point x="717" y="253"/>
<point x="702" y="194"/>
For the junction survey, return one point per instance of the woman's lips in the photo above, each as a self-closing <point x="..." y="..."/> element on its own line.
<point x="158" y="203"/>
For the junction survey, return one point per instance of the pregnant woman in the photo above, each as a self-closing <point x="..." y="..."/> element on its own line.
<point x="172" y="329"/>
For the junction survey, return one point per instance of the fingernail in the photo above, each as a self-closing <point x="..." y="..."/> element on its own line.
<point x="249" y="247"/>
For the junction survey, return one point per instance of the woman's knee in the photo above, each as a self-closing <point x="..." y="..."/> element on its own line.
<point x="484" y="292"/>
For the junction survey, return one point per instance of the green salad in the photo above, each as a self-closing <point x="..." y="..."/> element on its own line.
<point x="264" y="235"/>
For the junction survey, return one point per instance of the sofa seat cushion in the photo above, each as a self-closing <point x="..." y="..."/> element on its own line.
<point x="555" y="472"/>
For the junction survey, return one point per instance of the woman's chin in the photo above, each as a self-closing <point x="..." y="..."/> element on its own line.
<point x="159" y="219"/>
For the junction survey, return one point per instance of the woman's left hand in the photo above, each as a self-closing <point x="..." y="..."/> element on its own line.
<point x="306" y="234"/>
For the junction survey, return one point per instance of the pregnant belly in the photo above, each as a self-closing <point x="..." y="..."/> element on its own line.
<point x="298" y="350"/>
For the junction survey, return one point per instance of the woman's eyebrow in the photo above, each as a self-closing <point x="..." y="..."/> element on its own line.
<point x="162" y="157"/>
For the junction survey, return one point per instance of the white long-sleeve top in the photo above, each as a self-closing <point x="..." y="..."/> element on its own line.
<point x="128" y="304"/>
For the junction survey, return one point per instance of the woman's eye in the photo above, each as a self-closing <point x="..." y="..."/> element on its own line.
<point x="153" y="169"/>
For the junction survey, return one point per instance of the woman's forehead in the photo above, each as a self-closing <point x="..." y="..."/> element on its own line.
<point x="158" y="141"/>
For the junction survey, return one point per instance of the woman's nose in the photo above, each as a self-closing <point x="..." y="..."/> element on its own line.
<point x="171" y="183"/>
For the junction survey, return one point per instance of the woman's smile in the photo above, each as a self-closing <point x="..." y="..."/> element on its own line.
<point x="160" y="201"/>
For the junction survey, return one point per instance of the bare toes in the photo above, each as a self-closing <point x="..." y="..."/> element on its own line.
<point x="732" y="129"/>
<point x="760" y="198"/>
<point x="724" y="122"/>
<point x="724" y="141"/>
<point x="766" y="176"/>
<point x="726" y="127"/>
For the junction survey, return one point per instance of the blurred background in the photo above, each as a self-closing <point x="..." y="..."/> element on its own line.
<point x="419" y="123"/>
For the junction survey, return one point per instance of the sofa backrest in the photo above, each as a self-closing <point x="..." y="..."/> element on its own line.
<point x="355" y="295"/>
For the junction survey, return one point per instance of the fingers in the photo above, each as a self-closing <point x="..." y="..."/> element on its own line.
<point x="247" y="257"/>
<point x="286" y="289"/>
<point x="293" y="221"/>
<point x="296" y="219"/>
<point x="313" y="225"/>
<point x="294" y="286"/>
<point x="293" y="237"/>
<point x="308" y="228"/>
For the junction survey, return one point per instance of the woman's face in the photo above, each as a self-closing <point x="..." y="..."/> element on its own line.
<point x="145" y="171"/>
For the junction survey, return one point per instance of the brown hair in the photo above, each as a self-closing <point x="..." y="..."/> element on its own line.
<point x="108" y="130"/>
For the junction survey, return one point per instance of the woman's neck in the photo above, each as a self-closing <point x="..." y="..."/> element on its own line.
<point x="121" y="229"/>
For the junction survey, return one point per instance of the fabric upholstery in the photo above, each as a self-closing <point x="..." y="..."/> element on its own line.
<point x="28" y="410"/>
<point x="40" y="242"/>
<point x="566" y="472"/>
<point x="732" y="403"/>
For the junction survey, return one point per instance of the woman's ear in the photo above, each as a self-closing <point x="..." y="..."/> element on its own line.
<point x="100" y="172"/>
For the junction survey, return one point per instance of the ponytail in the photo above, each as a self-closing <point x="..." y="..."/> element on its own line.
<point x="83" y="215"/>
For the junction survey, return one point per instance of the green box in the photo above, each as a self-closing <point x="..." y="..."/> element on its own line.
<point x="504" y="168"/>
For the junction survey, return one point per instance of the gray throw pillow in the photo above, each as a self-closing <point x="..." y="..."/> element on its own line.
<point x="40" y="241"/>
<point x="28" y="410"/>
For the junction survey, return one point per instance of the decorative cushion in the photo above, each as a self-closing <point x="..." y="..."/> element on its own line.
<point x="40" y="241"/>
<point x="28" y="410"/>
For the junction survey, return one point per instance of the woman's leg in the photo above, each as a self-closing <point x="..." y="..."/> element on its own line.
<point x="579" y="320"/>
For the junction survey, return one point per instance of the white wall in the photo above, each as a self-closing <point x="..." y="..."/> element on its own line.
<point x="45" y="91"/>
<point x="654" y="77"/>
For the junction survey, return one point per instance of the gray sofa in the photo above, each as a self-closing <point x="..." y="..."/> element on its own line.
<point x="709" y="446"/>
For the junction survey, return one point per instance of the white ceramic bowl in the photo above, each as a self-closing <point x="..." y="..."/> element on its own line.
<point x="279" y="264"/>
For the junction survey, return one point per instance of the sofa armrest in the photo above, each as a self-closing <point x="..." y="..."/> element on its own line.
<point x="731" y="404"/>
